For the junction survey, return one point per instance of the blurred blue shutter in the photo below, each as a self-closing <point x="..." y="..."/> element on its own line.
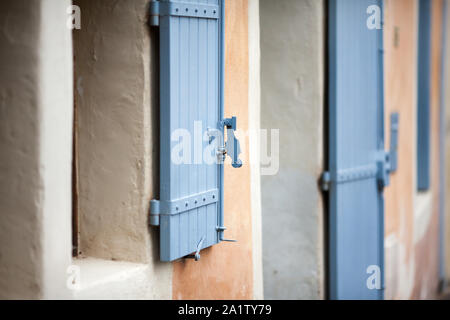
<point x="358" y="164"/>
<point x="423" y="106"/>
<point x="190" y="209"/>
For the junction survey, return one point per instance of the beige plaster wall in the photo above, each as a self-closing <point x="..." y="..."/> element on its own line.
<point x="292" y="85"/>
<point x="112" y="69"/>
<point x="254" y="102"/>
<point x="20" y="196"/>
<point x="35" y="139"/>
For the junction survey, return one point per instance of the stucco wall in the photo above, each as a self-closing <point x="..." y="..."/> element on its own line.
<point x="112" y="68"/>
<point x="21" y="203"/>
<point x="35" y="139"/>
<point x="292" y="100"/>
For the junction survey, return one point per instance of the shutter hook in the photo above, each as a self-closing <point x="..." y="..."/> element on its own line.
<point x="221" y="230"/>
<point x="196" y="256"/>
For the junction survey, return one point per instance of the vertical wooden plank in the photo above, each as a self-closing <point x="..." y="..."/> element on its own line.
<point x="203" y="109"/>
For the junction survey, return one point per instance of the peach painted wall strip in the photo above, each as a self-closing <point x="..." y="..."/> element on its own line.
<point x="400" y="42"/>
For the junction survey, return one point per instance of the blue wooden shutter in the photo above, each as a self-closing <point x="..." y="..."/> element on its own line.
<point x="358" y="164"/>
<point x="423" y="106"/>
<point x="190" y="209"/>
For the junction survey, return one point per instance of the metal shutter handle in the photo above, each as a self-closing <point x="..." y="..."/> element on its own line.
<point x="232" y="146"/>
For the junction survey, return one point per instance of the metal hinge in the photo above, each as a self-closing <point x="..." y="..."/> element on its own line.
<point x="154" y="13"/>
<point x="379" y="170"/>
<point x="347" y="175"/>
<point x="325" y="181"/>
<point x="154" y="212"/>
<point x="178" y="206"/>
<point x="386" y="164"/>
<point x="384" y="169"/>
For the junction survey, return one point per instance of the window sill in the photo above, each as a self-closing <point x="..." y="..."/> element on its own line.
<point x="104" y="279"/>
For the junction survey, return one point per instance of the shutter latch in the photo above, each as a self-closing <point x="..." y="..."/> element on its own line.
<point x="387" y="162"/>
<point x="232" y="147"/>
